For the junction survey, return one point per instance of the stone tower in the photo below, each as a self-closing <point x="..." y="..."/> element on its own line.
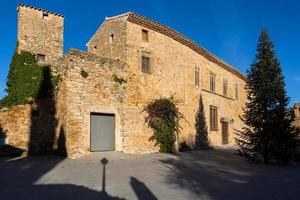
<point x="41" y="33"/>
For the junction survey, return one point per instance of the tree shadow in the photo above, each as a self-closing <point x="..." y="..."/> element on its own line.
<point x="19" y="175"/>
<point x="220" y="174"/>
<point x="7" y="150"/>
<point x="43" y="119"/>
<point x="141" y="190"/>
<point x="19" y="180"/>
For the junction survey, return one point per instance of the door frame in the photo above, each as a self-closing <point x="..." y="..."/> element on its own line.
<point x="227" y="132"/>
<point x="102" y="114"/>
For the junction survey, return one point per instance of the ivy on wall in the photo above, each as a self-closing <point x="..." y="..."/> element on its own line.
<point x="28" y="81"/>
<point x="163" y="117"/>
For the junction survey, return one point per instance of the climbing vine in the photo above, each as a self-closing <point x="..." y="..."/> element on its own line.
<point x="28" y="81"/>
<point x="163" y="117"/>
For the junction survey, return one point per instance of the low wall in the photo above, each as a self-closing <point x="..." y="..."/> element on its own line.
<point x="31" y="127"/>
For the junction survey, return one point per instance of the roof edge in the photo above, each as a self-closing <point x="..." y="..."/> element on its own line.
<point x="39" y="9"/>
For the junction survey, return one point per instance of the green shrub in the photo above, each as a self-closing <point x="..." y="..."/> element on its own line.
<point x="27" y="81"/>
<point x="119" y="80"/>
<point x="163" y="117"/>
<point x="84" y="74"/>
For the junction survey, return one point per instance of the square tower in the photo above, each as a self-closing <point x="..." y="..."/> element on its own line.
<point x="41" y="33"/>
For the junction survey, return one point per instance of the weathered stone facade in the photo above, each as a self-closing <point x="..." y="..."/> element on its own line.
<point x="173" y="73"/>
<point x="297" y="114"/>
<point x="31" y="127"/>
<point x="41" y="32"/>
<point x="116" y="50"/>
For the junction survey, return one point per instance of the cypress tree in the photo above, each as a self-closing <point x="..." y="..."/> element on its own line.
<point x="201" y="140"/>
<point x="269" y="133"/>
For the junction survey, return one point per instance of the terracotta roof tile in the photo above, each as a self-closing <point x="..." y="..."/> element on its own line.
<point x="39" y="9"/>
<point x="163" y="29"/>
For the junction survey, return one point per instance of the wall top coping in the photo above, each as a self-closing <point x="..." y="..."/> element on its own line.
<point x="38" y="9"/>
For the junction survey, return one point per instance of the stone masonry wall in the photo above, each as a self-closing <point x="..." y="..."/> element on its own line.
<point x="109" y="40"/>
<point x="40" y="36"/>
<point x="99" y="93"/>
<point x="172" y="73"/>
<point x="31" y="127"/>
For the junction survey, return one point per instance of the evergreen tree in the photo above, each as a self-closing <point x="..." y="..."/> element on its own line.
<point x="269" y="133"/>
<point x="201" y="140"/>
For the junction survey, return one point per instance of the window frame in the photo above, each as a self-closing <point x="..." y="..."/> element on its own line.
<point x="111" y="39"/>
<point x="148" y="71"/>
<point x="213" y="117"/>
<point x="225" y="87"/>
<point x="38" y="56"/>
<point x="236" y="91"/>
<point x="145" y="35"/>
<point x="197" y="76"/>
<point x="45" y="16"/>
<point x="212" y="82"/>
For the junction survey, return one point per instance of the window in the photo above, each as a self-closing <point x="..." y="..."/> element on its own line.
<point x="111" y="39"/>
<point x="236" y="89"/>
<point x="212" y="82"/>
<point x="41" y="58"/>
<point x="197" y="79"/>
<point x="213" y="114"/>
<point x="95" y="49"/>
<point x="145" y="64"/>
<point x="45" y="16"/>
<point x="145" y="35"/>
<point x="225" y="86"/>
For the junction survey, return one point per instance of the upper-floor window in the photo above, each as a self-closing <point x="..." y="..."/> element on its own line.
<point x="236" y="89"/>
<point x="111" y="39"/>
<point x="212" y="82"/>
<point x="145" y="35"/>
<point x="225" y="87"/>
<point x="145" y="64"/>
<point x="41" y="58"/>
<point x="95" y="49"/>
<point x="45" y="15"/>
<point x="213" y="116"/>
<point x="197" y="76"/>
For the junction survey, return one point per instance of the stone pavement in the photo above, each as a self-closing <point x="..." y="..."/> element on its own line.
<point x="214" y="174"/>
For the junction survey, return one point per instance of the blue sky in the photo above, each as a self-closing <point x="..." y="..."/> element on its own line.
<point x="229" y="28"/>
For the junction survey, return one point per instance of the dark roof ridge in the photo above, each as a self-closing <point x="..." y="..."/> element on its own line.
<point x="39" y="9"/>
<point x="168" y="31"/>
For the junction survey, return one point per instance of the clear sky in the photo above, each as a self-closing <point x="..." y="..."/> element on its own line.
<point x="228" y="28"/>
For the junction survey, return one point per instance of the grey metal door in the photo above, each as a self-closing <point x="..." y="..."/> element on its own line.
<point x="102" y="132"/>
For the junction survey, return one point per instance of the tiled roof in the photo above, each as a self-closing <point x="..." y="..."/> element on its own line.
<point x="39" y="9"/>
<point x="163" y="29"/>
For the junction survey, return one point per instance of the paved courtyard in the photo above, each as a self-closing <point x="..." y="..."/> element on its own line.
<point x="215" y="174"/>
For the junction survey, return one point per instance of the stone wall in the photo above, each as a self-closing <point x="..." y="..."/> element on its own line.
<point x="100" y="93"/>
<point x="40" y="36"/>
<point x="173" y="73"/>
<point x="109" y="40"/>
<point x="31" y="127"/>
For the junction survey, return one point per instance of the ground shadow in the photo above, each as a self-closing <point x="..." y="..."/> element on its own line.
<point x="20" y="176"/>
<point x="141" y="190"/>
<point x="220" y="174"/>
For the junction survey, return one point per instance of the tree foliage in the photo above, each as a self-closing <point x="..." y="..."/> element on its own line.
<point x="268" y="133"/>
<point x="163" y="117"/>
<point x="201" y="140"/>
<point x="26" y="80"/>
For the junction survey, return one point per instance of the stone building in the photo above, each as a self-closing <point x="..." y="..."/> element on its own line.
<point x="297" y="114"/>
<point x="130" y="61"/>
